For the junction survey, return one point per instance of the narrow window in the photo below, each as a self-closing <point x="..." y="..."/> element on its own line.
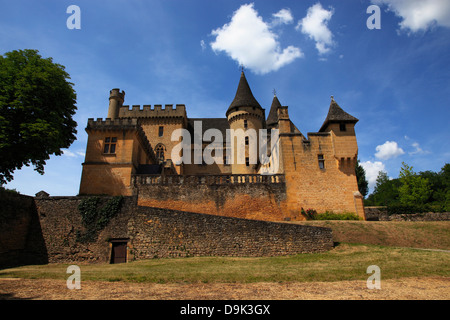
<point x="246" y="141"/>
<point x="110" y="145"/>
<point x="245" y="124"/>
<point x="342" y="127"/>
<point x="247" y="161"/>
<point x="321" y="161"/>
<point x="159" y="151"/>
<point x="161" y="131"/>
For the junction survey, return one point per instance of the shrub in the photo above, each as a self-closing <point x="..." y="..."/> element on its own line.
<point x="312" y="214"/>
<point x="412" y="209"/>
<point x="309" y="214"/>
<point x="337" y="216"/>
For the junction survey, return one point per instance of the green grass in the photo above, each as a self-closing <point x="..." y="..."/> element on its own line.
<point x="344" y="262"/>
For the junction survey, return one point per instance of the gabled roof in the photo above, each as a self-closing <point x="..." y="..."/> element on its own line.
<point x="272" y="118"/>
<point x="244" y="96"/>
<point x="336" y="115"/>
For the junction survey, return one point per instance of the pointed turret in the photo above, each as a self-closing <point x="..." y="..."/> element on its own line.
<point x="337" y="115"/>
<point x="272" y="118"/>
<point x="246" y="116"/>
<point x="244" y="96"/>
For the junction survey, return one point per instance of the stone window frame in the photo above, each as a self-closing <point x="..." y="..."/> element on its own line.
<point x="109" y="145"/>
<point x="160" y="150"/>
<point x="321" y="161"/>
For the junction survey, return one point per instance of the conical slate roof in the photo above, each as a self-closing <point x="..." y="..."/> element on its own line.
<point x="273" y="115"/>
<point x="336" y="114"/>
<point x="244" y="96"/>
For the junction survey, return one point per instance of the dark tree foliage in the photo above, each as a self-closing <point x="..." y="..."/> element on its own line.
<point x="363" y="184"/>
<point x="388" y="192"/>
<point x="36" y="107"/>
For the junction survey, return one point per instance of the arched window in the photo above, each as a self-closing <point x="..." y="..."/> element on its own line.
<point x="159" y="151"/>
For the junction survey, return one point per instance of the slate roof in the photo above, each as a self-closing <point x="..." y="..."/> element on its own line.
<point x="337" y="114"/>
<point x="244" y="96"/>
<point x="272" y="118"/>
<point x="209" y="123"/>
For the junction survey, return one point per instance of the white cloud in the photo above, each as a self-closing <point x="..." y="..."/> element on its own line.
<point x="248" y="40"/>
<point x="315" y="26"/>
<point x="419" y="14"/>
<point x="372" y="169"/>
<point x="417" y="149"/>
<point x="388" y="150"/>
<point x="71" y="154"/>
<point x="284" y="16"/>
<point x="202" y="44"/>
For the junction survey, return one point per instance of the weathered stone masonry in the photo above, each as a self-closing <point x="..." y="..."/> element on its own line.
<point x="149" y="233"/>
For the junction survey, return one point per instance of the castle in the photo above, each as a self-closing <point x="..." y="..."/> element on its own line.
<point x="162" y="157"/>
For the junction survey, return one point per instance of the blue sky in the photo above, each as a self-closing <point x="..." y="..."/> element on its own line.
<point x="395" y="79"/>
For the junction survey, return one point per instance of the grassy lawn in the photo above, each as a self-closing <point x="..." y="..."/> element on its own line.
<point x="344" y="262"/>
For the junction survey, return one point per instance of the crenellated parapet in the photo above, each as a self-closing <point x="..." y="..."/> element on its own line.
<point x="156" y="111"/>
<point x="118" y="124"/>
<point x="107" y="124"/>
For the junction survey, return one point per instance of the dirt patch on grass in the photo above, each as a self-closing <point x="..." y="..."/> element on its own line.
<point x="429" y="288"/>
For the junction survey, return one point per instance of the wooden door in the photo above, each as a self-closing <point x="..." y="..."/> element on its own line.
<point x="119" y="252"/>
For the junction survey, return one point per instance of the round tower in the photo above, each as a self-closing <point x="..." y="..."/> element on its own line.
<point x="246" y="118"/>
<point x="116" y="99"/>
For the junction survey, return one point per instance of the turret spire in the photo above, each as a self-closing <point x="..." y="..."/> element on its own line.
<point x="244" y="96"/>
<point x="337" y="115"/>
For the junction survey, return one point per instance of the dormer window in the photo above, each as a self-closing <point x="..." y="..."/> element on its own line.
<point x="110" y="145"/>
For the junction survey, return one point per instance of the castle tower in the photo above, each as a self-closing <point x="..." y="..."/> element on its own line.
<point x="116" y="99"/>
<point x="246" y="118"/>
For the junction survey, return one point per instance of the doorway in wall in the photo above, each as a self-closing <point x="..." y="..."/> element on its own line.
<point x="119" y="250"/>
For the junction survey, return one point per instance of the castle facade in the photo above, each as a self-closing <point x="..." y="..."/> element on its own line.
<point x="244" y="165"/>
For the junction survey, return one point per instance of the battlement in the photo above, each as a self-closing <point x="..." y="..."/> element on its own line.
<point x="108" y="123"/>
<point x="122" y="124"/>
<point x="147" y="111"/>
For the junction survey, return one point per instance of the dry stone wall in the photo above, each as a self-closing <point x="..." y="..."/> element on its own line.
<point x="49" y="230"/>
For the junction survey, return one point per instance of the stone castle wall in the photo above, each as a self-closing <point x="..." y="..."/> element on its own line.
<point x="247" y="196"/>
<point x="48" y="230"/>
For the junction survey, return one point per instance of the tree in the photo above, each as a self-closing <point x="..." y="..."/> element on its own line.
<point x="363" y="184"/>
<point x="415" y="190"/>
<point x="385" y="191"/>
<point x="36" y="108"/>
